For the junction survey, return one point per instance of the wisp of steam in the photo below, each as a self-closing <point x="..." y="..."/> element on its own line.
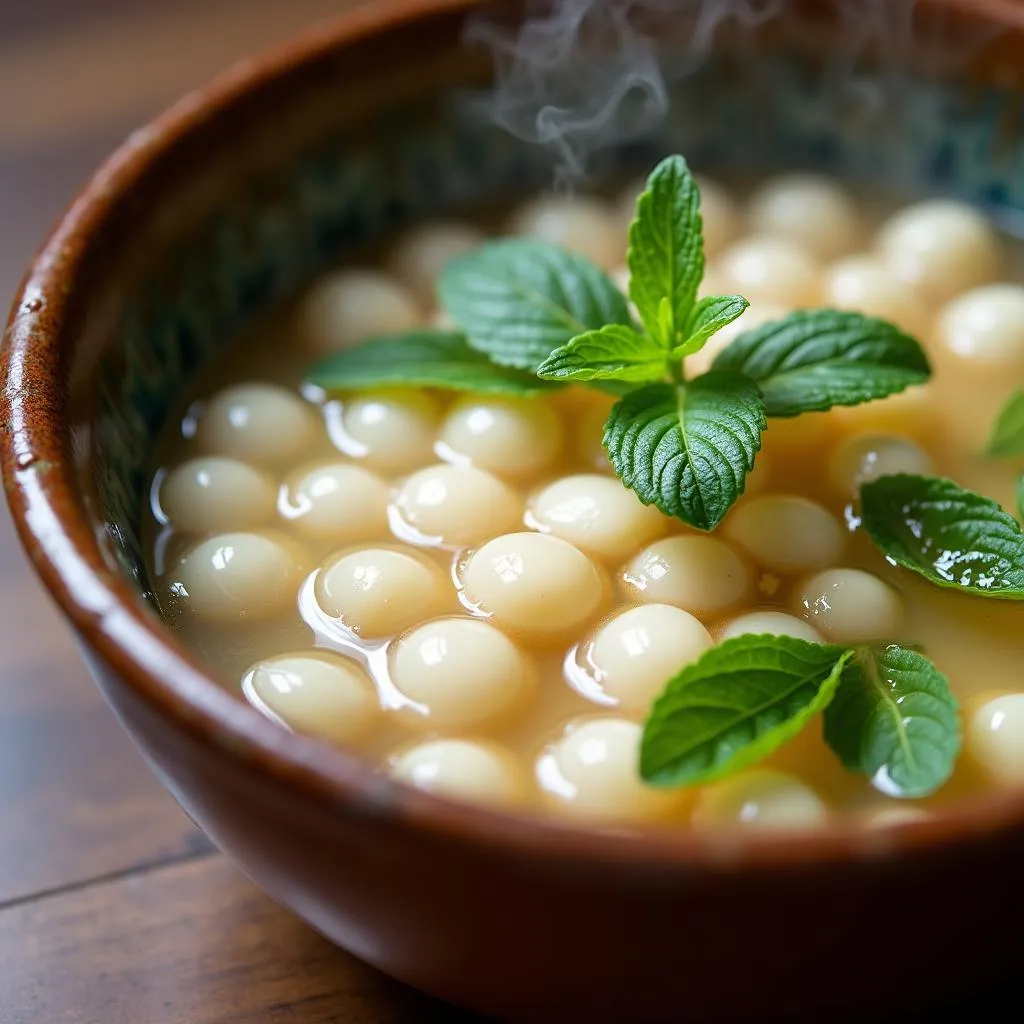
<point x="550" y="90"/>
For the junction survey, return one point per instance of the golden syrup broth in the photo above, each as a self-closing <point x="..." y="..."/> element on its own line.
<point x="979" y="644"/>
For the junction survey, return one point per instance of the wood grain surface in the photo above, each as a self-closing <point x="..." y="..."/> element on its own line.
<point x="188" y="943"/>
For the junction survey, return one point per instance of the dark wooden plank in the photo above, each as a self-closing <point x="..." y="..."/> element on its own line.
<point x="76" y="799"/>
<point x="19" y="19"/>
<point x="70" y="93"/>
<point x="123" y="64"/>
<point x="35" y="186"/>
<point x="188" y="944"/>
<point x="196" y="943"/>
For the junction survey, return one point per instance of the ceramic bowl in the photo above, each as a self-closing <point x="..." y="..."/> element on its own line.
<point x="239" y="194"/>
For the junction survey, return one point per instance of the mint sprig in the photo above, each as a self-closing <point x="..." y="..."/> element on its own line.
<point x="1007" y="439"/>
<point x="950" y="536"/>
<point x="736" y="704"/>
<point x="895" y="720"/>
<point x="888" y="713"/>
<point x="685" y="446"/>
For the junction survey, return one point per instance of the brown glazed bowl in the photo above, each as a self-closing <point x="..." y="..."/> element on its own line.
<point x="237" y="195"/>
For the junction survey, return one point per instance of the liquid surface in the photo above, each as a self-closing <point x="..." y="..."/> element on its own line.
<point x="459" y="588"/>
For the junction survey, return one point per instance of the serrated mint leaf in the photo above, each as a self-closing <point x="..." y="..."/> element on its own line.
<point x="666" y="321"/>
<point x="612" y="353"/>
<point x="518" y="300"/>
<point x="1008" y="434"/>
<point x="736" y="704"/>
<point x="430" y="359"/>
<point x="666" y="251"/>
<point x="894" y="720"/>
<point x="708" y="317"/>
<point x="953" y="537"/>
<point x="810" y="361"/>
<point x="688" y="448"/>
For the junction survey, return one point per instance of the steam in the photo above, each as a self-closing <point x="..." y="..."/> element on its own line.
<point x="547" y="91"/>
<point x="550" y="90"/>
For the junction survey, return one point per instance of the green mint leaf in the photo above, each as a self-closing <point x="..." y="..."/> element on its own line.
<point x="894" y="720"/>
<point x="688" y="448"/>
<point x="953" y="537"/>
<point x="708" y="317"/>
<point x="810" y="361"/>
<point x="1020" y="497"/>
<point x="518" y="300"/>
<point x="1008" y="435"/>
<point x="666" y="251"/>
<point x="736" y="704"/>
<point x="431" y="359"/>
<point x="612" y="353"/>
<point x="666" y="322"/>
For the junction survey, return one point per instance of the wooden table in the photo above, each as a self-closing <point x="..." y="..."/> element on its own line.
<point x="114" y="909"/>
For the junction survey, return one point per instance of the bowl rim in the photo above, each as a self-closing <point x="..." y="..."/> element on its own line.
<point x="45" y="497"/>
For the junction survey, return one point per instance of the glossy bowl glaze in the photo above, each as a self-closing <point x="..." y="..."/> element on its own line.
<point x="239" y="194"/>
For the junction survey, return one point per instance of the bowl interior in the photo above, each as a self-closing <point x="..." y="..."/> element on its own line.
<point x="315" y="176"/>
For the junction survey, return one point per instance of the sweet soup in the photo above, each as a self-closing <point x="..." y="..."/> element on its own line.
<point x="458" y="586"/>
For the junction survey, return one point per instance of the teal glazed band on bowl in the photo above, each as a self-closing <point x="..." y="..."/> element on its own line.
<point x="240" y="194"/>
